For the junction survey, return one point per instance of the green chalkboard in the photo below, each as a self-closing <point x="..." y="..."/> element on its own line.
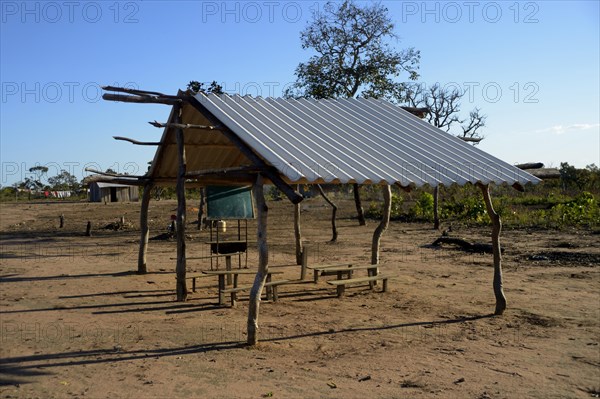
<point x="229" y="202"/>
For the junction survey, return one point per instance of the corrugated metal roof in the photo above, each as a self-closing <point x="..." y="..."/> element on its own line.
<point x="365" y="141"/>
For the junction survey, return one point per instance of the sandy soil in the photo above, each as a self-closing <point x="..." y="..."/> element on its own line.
<point x="76" y="321"/>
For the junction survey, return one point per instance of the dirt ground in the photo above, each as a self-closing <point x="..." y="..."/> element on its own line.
<point x="76" y="321"/>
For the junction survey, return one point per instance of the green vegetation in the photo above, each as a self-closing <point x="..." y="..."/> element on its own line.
<point x="571" y="201"/>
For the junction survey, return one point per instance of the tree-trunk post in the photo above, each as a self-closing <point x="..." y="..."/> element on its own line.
<point x="496" y="229"/>
<point x="61" y="221"/>
<point x="297" y="232"/>
<point x="304" y="264"/>
<point x="263" y="261"/>
<point x="359" y="208"/>
<point x="180" y="188"/>
<point x="436" y="201"/>
<point x="201" y="208"/>
<point x="88" y="229"/>
<point x="144" y="230"/>
<point x="334" y="208"/>
<point x="383" y="225"/>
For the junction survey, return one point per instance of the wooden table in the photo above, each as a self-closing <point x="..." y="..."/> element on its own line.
<point x="235" y="273"/>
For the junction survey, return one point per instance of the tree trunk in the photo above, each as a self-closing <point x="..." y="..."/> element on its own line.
<point x="436" y="201"/>
<point x="263" y="261"/>
<point x="145" y="231"/>
<point x="297" y="233"/>
<point x="201" y="208"/>
<point x="334" y="208"/>
<point x="496" y="229"/>
<point x="180" y="269"/>
<point x="359" y="209"/>
<point x="383" y="225"/>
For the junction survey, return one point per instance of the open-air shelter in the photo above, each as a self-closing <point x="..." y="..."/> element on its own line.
<point x="212" y="139"/>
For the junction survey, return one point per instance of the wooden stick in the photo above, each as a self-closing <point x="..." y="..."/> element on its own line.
<point x="496" y="229"/>
<point x="135" y="141"/>
<point x="383" y="225"/>
<point x="113" y="174"/>
<point x="134" y="91"/>
<point x="471" y="139"/>
<point x="263" y="260"/>
<point x="530" y="165"/>
<point x="436" y="206"/>
<point x="359" y="208"/>
<point x="222" y="171"/>
<point x="297" y="232"/>
<point x="180" y="268"/>
<point x="139" y="100"/>
<point x="185" y="126"/>
<point x="334" y="208"/>
<point x="145" y="231"/>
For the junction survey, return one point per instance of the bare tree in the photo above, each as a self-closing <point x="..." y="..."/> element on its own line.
<point x="444" y="112"/>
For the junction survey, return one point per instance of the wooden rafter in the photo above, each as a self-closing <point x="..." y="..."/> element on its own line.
<point x="132" y="141"/>
<point x="185" y="126"/>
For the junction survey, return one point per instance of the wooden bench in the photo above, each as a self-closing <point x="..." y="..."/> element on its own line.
<point x="341" y="284"/>
<point x="318" y="269"/>
<point x="193" y="278"/>
<point x="372" y="270"/>
<point x="271" y="290"/>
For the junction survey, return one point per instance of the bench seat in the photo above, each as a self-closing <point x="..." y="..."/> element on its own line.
<point x="341" y="284"/>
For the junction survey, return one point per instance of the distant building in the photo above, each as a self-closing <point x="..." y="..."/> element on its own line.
<point x="112" y="192"/>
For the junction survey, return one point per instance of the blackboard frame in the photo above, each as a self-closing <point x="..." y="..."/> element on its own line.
<point x="229" y="203"/>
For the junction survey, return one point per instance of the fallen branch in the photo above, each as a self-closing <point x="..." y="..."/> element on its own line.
<point x="463" y="244"/>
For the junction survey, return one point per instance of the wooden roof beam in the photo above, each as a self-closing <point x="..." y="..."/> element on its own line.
<point x="132" y="141"/>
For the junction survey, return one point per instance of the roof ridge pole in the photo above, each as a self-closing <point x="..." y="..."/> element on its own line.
<point x="263" y="259"/>
<point x="496" y="229"/>
<point x="145" y="231"/>
<point x="180" y="188"/>
<point x="383" y="225"/>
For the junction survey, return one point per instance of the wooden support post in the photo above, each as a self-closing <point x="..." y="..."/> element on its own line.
<point x="383" y="225"/>
<point x="297" y="232"/>
<point x="359" y="208"/>
<point x="201" y="208"/>
<point x="88" y="229"/>
<point x="61" y="221"/>
<point x="304" y="264"/>
<point x="144" y="230"/>
<point x="180" y="269"/>
<point x="263" y="260"/>
<point x="228" y="268"/>
<point x="496" y="229"/>
<point x="436" y="202"/>
<point x="334" y="208"/>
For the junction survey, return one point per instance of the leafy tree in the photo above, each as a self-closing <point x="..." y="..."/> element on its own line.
<point x="63" y="181"/>
<point x="353" y="58"/>
<point x="353" y="55"/>
<point x="198" y="87"/>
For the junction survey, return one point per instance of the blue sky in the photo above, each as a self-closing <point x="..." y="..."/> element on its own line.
<point x="532" y="67"/>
